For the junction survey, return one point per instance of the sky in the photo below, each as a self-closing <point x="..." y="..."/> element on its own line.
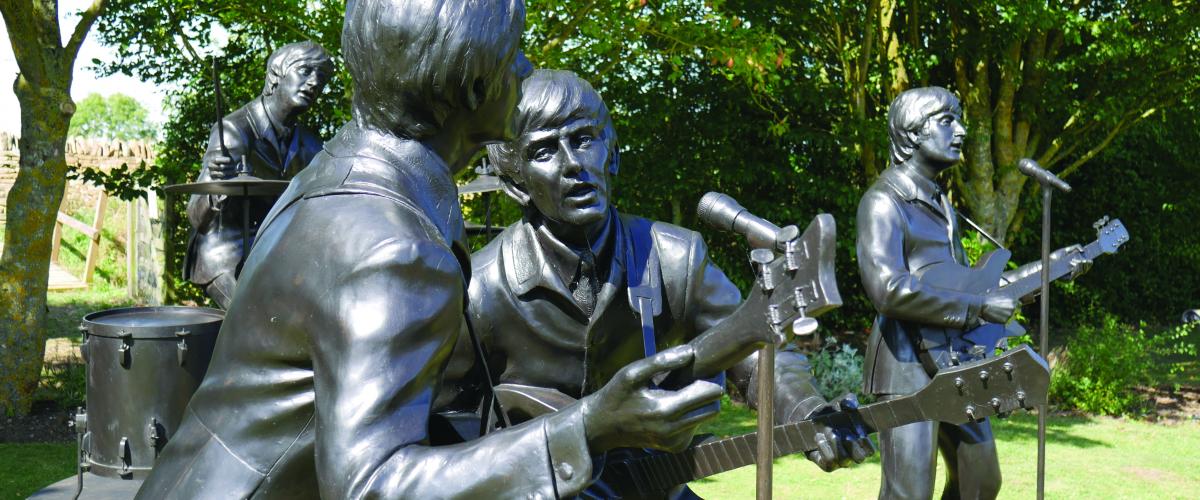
<point x="86" y="80"/>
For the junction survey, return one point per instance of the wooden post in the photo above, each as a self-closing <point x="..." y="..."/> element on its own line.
<point x="93" y="255"/>
<point x="131" y="248"/>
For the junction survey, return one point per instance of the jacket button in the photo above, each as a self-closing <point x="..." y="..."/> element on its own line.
<point x="566" y="471"/>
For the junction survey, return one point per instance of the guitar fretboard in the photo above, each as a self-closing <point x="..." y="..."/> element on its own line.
<point x="652" y="474"/>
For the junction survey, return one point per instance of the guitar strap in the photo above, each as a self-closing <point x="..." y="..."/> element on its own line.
<point x="643" y="277"/>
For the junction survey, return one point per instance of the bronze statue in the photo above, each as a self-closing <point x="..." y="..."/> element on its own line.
<point x="906" y="225"/>
<point x="265" y="139"/>
<point x="550" y="297"/>
<point x="347" y="310"/>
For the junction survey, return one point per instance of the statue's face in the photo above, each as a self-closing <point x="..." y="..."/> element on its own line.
<point x="942" y="140"/>
<point x="494" y="117"/>
<point x="300" y="84"/>
<point x="566" y="172"/>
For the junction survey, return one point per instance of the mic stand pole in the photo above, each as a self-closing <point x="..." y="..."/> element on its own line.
<point x="1044" y="327"/>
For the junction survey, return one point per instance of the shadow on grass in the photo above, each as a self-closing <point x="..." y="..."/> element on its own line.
<point x="1062" y="430"/>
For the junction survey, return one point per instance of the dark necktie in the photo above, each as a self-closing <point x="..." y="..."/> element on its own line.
<point x="584" y="287"/>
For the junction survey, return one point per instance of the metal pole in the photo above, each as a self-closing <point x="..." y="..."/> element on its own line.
<point x="766" y="419"/>
<point x="1044" y="328"/>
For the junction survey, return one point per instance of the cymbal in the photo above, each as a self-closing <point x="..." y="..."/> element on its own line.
<point x="238" y="186"/>
<point x="481" y="184"/>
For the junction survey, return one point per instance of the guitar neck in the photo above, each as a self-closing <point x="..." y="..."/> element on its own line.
<point x="1032" y="283"/>
<point x="652" y="474"/>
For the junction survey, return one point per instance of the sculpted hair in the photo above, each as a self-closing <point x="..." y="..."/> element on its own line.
<point x="300" y="52"/>
<point x="414" y="62"/>
<point x="909" y="112"/>
<point x="551" y="98"/>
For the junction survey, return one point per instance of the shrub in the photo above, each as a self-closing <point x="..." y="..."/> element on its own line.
<point x="1104" y="364"/>
<point x="838" y="369"/>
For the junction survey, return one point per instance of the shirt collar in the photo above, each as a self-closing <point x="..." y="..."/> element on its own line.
<point x="911" y="185"/>
<point x="537" y="259"/>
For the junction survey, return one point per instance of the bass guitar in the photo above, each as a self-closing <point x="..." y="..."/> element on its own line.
<point x="1016" y="379"/>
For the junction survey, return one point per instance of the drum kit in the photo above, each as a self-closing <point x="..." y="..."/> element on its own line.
<point x="144" y="363"/>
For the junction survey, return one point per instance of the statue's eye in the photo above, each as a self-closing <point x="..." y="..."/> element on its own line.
<point x="541" y="152"/>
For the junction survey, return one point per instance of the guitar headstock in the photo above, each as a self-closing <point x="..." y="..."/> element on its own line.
<point x="1110" y="234"/>
<point x="1014" y="380"/>
<point x="799" y="282"/>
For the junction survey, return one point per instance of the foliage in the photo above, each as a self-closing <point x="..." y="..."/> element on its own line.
<point x="64" y="382"/>
<point x="1105" y="362"/>
<point x="838" y="369"/>
<point x="116" y="117"/>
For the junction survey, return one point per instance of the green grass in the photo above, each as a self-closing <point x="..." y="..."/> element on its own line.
<point x="68" y="308"/>
<point x="1086" y="458"/>
<point x="28" y="467"/>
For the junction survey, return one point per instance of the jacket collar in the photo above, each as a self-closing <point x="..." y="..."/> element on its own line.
<point x="912" y="186"/>
<point x="528" y="265"/>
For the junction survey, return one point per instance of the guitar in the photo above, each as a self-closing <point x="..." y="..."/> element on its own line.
<point x="1016" y="379"/>
<point x="794" y="285"/>
<point x="986" y="277"/>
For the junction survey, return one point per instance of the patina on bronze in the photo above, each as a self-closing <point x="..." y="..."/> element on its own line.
<point x="264" y="140"/>
<point x="576" y="290"/>
<point x="905" y="224"/>
<point x="350" y="303"/>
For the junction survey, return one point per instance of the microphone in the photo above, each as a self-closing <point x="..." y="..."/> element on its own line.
<point x="1043" y="176"/>
<point x="723" y="212"/>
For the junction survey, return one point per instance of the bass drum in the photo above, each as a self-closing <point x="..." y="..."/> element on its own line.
<point x="143" y="364"/>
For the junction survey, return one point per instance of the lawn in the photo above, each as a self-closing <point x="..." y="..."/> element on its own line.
<point x="1088" y="458"/>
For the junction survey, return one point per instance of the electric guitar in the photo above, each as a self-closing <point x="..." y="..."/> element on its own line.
<point x="1016" y="379"/>
<point x="986" y="277"/>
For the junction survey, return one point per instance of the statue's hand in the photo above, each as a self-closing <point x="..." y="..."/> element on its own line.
<point x="1073" y="255"/>
<point x="997" y="308"/>
<point x="841" y="440"/>
<point x="221" y="167"/>
<point x="628" y="413"/>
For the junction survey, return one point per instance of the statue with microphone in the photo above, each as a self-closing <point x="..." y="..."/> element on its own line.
<point x="936" y="311"/>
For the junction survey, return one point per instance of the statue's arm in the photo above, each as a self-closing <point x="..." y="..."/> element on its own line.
<point x="896" y="292"/>
<point x="203" y="208"/>
<point x="394" y="318"/>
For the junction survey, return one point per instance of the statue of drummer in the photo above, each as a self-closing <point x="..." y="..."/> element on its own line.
<point x="263" y="139"/>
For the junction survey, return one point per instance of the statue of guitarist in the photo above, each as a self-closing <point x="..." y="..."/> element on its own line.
<point x="553" y="298"/>
<point x="906" y="224"/>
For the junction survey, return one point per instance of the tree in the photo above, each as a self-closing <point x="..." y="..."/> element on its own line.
<point x="43" y="89"/>
<point x="1054" y="81"/>
<point x="117" y="117"/>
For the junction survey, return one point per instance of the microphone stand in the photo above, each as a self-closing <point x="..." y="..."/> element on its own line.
<point x="1044" y="327"/>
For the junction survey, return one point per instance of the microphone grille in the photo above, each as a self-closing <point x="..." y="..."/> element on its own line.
<point x="707" y="204"/>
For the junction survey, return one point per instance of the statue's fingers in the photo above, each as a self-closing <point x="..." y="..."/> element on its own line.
<point x="643" y="369"/>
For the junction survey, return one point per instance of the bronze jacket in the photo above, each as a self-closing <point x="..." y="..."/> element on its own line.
<point x="902" y="228"/>
<point x="327" y="365"/>
<point x="535" y="334"/>
<point x="215" y="243"/>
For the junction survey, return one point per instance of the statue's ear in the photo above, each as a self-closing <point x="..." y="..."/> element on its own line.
<point x="476" y="93"/>
<point x="272" y="81"/>
<point x="515" y="191"/>
<point x="614" y="159"/>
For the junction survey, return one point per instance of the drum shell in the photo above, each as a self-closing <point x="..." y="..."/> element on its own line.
<point x="139" y="380"/>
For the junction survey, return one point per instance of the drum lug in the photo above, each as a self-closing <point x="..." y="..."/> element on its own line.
<point x="153" y="436"/>
<point x="123" y="352"/>
<point x="181" y="347"/>
<point x="83" y="347"/>
<point x="124" y="454"/>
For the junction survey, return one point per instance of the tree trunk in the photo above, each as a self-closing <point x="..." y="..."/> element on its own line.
<point x="33" y="205"/>
<point x="43" y="89"/>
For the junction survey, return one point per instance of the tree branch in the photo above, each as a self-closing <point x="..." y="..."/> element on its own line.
<point x="86" y="19"/>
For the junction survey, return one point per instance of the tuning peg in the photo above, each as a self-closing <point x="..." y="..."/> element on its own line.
<point x="995" y="404"/>
<point x="1100" y="223"/>
<point x="971" y="412"/>
<point x="804" y="326"/>
<point x="761" y="259"/>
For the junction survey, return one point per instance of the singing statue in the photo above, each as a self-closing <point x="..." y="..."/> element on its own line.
<point x="907" y="225"/>
<point x="553" y="296"/>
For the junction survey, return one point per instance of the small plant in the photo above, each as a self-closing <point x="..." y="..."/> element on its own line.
<point x="838" y="369"/>
<point x="64" y="382"/>
<point x="1103" y="365"/>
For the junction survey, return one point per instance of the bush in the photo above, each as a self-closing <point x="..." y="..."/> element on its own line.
<point x="838" y="369"/>
<point x="1104" y="364"/>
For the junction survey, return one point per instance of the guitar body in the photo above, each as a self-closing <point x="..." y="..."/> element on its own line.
<point x="982" y="278"/>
